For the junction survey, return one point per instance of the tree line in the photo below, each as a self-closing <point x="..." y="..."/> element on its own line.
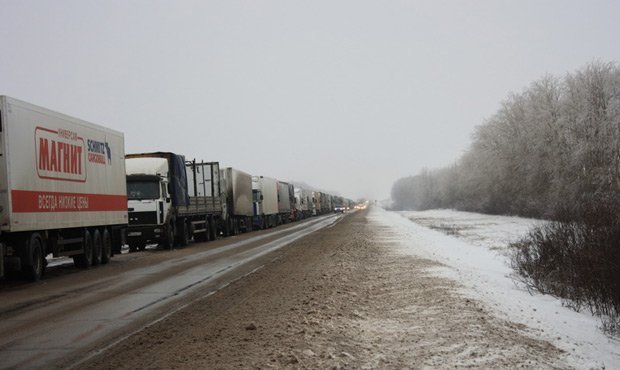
<point x="556" y="145"/>
<point x="551" y="152"/>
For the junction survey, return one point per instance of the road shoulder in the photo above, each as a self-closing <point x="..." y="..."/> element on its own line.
<point x="337" y="298"/>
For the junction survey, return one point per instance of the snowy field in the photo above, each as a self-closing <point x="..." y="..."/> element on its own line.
<point x="473" y="248"/>
<point x="492" y="232"/>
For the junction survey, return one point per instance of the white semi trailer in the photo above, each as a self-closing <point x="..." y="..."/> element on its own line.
<point x="62" y="189"/>
<point x="303" y="203"/>
<point x="265" y="191"/>
<point x="238" y="208"/>
<point x="286" y="202"/>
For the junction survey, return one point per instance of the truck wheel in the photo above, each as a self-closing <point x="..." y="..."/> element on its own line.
<point x="85" y="259"/>
<point x="182" y="233"/>
<point x="36" y="266"/>
<point x="97" y="248"/>
<point x="212" y="229"/>
<point x="226" y="228"/>
<point x="106" y="252"/>
<point x="169" y="237"/>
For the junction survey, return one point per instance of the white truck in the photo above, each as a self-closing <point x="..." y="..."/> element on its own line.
<point x="303" y="203"/>
<point x="316" y="200"/>
<point x="286" y="202"/>
<point x="171" y="200"/>
<point x="265" y="190"/>
<point x="62" y="189"/>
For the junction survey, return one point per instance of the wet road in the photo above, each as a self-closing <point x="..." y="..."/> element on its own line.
<point x="72" y="315"/>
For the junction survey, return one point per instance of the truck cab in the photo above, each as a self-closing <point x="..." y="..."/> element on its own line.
<point x="149" y="202"/>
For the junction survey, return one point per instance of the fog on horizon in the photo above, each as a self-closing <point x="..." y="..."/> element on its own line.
<point x="346" y="96"/>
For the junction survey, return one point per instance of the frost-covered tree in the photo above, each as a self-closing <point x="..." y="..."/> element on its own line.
<point x="554" y="145"/>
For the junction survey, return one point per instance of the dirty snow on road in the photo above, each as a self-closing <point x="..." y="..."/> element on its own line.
<point x="473" y="250"/>
<point x="343" y="297"/>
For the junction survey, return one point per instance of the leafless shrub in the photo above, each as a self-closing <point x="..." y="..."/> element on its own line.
<point x="577" y="259"/>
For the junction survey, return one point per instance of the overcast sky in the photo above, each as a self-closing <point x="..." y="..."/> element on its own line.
<point x="343" y="95"/>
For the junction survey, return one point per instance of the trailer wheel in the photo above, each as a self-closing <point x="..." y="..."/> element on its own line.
<point x="106" y="252"/>
<point x="212" y="233"/>
<point x="85" y="259"/>
<point x="236" y="226"/>
<point x="97" y="248"/>
<point x="34" y="270"/>
<point x="226" y="229"/>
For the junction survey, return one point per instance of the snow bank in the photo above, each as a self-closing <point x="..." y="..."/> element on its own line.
<point x="473" y="249"/>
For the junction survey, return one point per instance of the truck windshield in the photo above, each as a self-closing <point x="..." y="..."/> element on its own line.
<point x="138" y="190"/>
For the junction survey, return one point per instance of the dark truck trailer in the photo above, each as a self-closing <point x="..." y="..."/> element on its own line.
<point x="171" y="200"/>
<point x="238" y="208"/>
<point x="326" y="203"/>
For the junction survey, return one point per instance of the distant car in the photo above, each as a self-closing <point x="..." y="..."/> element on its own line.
<point x="339" y="209"/>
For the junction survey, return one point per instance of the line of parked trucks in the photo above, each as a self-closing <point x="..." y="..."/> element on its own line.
<point x="67" y="188"/>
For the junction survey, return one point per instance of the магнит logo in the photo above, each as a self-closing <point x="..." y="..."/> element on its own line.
<point x="60" y="155"/>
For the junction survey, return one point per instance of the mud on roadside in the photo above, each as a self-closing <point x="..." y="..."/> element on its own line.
<point x="339" y="298"/>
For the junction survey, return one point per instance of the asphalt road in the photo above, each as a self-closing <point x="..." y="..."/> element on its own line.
<point x="72" y="315"/>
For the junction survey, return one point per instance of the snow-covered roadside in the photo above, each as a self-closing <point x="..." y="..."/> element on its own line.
<point x="478" y="263"/>
<point x="493" y="232"/>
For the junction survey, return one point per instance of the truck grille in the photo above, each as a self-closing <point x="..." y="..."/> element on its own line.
<point x="143" y="218"/>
